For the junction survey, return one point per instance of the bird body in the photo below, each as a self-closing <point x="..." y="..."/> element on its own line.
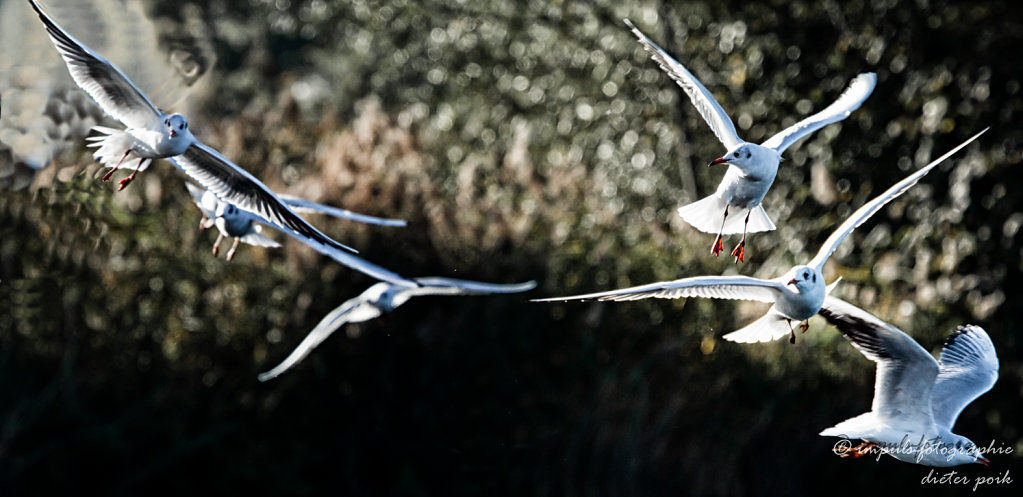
<point x="752" y="168"/>
<point x="916" y="399"/>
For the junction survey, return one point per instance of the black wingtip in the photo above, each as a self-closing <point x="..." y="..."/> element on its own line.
<point x="958" y="332"/>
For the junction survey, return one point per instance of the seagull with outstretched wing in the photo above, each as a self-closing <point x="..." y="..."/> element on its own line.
<point x="796" y="296"/>
<point x="751" y="167"/>
<point x="153" y="134"/>
<point x="385" y="297"/>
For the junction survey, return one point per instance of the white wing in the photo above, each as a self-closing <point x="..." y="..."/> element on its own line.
<point x="905" y="371"/>
<point x="704" y="102"/>
<point x="106" y="84"/>
<point x="715" y="287"/>
<point x="868" y="209"/>
<point x="302" y="205"/>
<point x="234" y="185"/>
<point x="433" y="285"/>
<point x="201" y="200"/>
<point x="968" y="368"/>
<point x="254" y="237"/>
<point x="859" y="89"/>
<point x="352" y="311"/>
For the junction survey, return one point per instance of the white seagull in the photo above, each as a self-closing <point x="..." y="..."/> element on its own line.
<point x="751" y="167"/>
<point x="916" y="399"/>
<point x="152" y="134"/>
<point x="381" y="298"/>
<point x="244" y="226"/>
<point x="229" y="220"/>
<point x="796" y="296"/>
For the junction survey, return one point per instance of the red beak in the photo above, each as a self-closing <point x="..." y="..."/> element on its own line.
<point x="722" y="160"/>
<point x="983" y="460"/>
<point x="791" y="282"/>
<point x="172" y="133"/>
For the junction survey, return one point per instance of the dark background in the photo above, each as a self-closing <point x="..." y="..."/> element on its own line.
<point x="521" y="140"/>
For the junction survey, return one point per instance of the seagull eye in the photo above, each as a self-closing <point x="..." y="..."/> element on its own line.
<point x="166" y="122"/>
<point x="181" y="126"/>
<point x="748" y="154"/>
<point x="736" y="154"/>
<point x="815" y="278"/>
<point x="806" y="275"/>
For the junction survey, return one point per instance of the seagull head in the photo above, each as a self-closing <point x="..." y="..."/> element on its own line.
<point x="748" y="157"/>
<point x="805" y="279"/>
<point x="177" y="126"/>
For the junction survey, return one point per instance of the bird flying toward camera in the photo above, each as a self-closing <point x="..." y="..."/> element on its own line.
<point x="244" y="226"/>
<point x="151" y="134"/>
<point x="795" y="296"/>
<point x="916" y="399"/>
<point x="751" y="167"/>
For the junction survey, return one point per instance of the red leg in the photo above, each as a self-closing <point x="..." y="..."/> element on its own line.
<point x="719" y="244"/>
<point x="110" y="172"/>
<point x="126" y="181"/>
<point x="216" y="244"/>
<point x="738" y="251"/>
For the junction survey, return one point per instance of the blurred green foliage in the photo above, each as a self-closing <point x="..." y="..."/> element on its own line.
<point x="522" y="140"/>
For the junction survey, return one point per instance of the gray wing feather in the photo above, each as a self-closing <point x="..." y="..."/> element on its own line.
<point x="859" y="89"/>
<point x="234" y="185"/>
<point x="702" y="99"/>
<point x="103" y="81"/>
<point x="905" y="371"/>
<point x="968" y="368"/>
<point x="716" y="287"/>
<point x="341" y="315"/>
<point x="870" y="208"/>
<point x="302" y="205"/>
<point x="432" y="285"/>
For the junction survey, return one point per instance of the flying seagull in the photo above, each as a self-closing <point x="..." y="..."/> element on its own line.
<point x="751" y="167"/>
<point x="153" y="134"/>
<point x="385" y="297"/>
<point x="245" y="227"/>
<point x="796" y="296"/>
<point x="916" y="399"/>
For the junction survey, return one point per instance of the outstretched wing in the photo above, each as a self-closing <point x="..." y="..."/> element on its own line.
<point x="968" y="368"/>
<point x="234" y="185"/>
<point x="868" y="209"/>
<point x="432" y="285"/>
<point x="354" y="310"/>
<point x="859" y="89"/>
<point x="302" y="205"/>
<point x="905" y="371"/>
<point x="104" y="82"/>
<point x="704" y="102"/>
<point x="715" y="287"/>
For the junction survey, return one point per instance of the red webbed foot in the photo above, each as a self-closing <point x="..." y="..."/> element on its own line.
<point x="739" y="251"/>
<point x="718" y="246"/>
